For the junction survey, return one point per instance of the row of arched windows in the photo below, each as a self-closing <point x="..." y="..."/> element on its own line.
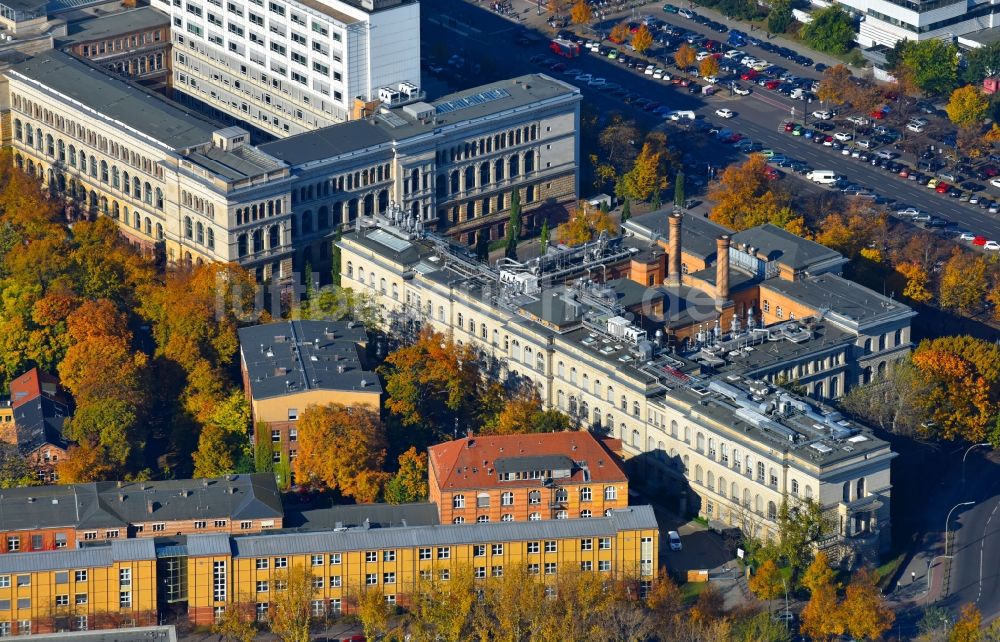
<point x="486" y="172"/>
<point x="85" y="135"/>
<point x="488" y="144"/>
<point x="100" y="170"/>
<point x="196" y="231"/>
<point x="343" y="183"/>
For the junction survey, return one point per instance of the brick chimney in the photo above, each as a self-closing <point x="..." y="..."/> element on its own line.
<point x="674" y="256"/>
<point x="722" y="269"/>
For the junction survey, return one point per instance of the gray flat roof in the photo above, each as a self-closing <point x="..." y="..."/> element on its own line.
<point x="784" y="247"/>
<point x="360" y="538"/>
<point x="134" y="634"/>
<point x="398" y="125"/>
<point x="107" y="505"/>
<point x="840" y="297"/>
<point x="115" y="24"/>
<point x="314" y="518"/>
<point x="289" y="357"/>
<point x="134" y="107"/>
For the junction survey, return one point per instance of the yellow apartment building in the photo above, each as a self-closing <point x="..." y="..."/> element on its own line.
<point x="96" y="587"/>
<point x="220" y="569"/>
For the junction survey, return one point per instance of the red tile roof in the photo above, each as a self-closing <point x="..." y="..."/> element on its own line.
<point x="471" y="462"/>
<point x="30" y="385"/>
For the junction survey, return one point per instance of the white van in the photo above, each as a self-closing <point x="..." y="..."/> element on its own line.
<point x="822" y="176"/>
<point x="675" y="540"/>
<point x="681" y="114"/>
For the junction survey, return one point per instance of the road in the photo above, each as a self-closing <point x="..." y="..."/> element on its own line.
<point x="975" y="568"/>
<point x="758" y="115"/>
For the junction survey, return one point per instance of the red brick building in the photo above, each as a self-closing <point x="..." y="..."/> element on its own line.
<point x="526" y="477"/>
<point x="34" y="420"/>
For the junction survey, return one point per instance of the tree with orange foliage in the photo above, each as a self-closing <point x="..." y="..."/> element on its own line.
<point x="958" y="398"/>
<point x="836" y="86"/>
<point x="744" y="198"/>
<point x="642" y="39"/>
<point x="864" y="610"/>
<point x="619" y="33"/>
<point x="645" y="179"/>
<point x="766" y="582"/>
<point x="84" y="463"/>
<point x="709" y="66"/>
<point x="968" y="626"/>
<point x="581" y="13"/>
<point x="585" y="225"/>
<point x="433" y="382"/>
<point x="685" y="57"/>
<point x="342" y="449"/>
<point x="708" y="607"/>
<point x="821" y="618"/>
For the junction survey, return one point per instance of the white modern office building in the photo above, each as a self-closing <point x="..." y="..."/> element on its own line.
<point x="885" y="22"/>
<point x="286" y="67"/>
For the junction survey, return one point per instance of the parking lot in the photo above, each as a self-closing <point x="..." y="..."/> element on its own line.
<point x="749" y="105"/>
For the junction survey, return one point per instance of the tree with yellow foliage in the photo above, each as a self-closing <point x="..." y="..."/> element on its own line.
<point x="523" y="413"/>
<point x="850" y="233"/>
<point x="766" y="582"/>
<point x="373" y="611"/>
<point x="684" y="57"/>
<point x="645" y="178"/>
<point x="821" y="618"/>
<point x="916" y="281"/>
<point x="864" y="610"/>
<point x="709" y="66"/>
<point x="237" y="622"/>
<point x="642" y="39"/>
<point x="581" y="13"/>
<point x="968" y="107"/>
<point x="290" y="615"/>
<point x="744" y="198"/>
<point x="409" y="484"/>
<point x="818" y="573"/>
<point x="967" y="626"/>
<point x="962" y="284"/>
<point x="585" y="225"/>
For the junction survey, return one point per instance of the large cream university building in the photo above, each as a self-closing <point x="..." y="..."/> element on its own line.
<point x="178" y="183"/>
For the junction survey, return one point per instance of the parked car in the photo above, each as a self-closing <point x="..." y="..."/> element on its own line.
<point x="675" y="540"/>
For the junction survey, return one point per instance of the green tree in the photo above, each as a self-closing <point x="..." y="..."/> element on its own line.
<point x="544" y="239"/>
<point x="779" y="18"/>
<point x="679" y="189"/>
<point x="800" y="525"/>
<point x="14" y="469"/>
<point x="223" y="446"/>
<point x="760" y="627"/>
<point x="626" y="210"/>
<point x="831" y="30"/>
<point x="514" y="225"/>
<point x="335" y="258"/>
<point x="931" y="65"/>
<point x="263" y="451"/>
<point x="409" y="484"/>
<point x="283" y="472"/>
<point x="981" y="63"/>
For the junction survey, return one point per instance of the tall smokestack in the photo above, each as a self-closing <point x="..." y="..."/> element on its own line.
<point x="722" y="269"/>
<point x="674" y="258"/>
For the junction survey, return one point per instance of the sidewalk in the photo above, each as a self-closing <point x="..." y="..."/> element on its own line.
<point x="817" y="56"/>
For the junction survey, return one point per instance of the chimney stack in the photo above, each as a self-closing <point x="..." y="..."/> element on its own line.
<point x="722" y="269"/>
<point x="674" y="258"/>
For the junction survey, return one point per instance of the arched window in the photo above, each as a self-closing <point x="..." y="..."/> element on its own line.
<point x="610" y="493"/>
<point x="115" y="178"/>
<point x="846" y="494"/>
<point x="136" y="187"/>
<point x="635" y="438"/>
<point x="149" y="227"/>
<point x="673" y="428"/>
<point x="18" y="130"/>
<point x="458" y="501"/>
<point x="699" y="442"/>
<point x="200" y="236"/>
<point x="159" y="235"/>
<point x="698" y="474"/>
<point x="104" y="171"/>
<point x="188" y="227"/>
<point x="136" y="220"/>
<point x="710" y="479"/>
<point x="147" y="193"/>
<point x="809" y="492"/>
<point x="93" y="167"/>
<point x="772" y="510"/>
<point x="350" y="270"/>
<point x="860" y="488"/>
<point x="50" y="146"/>
<point x="159" y="198"/>
<point x="795" y="488"/>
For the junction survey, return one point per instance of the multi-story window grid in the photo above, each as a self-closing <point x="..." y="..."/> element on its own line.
<point x="219" y="581"/>
<point x="125" y="577"/>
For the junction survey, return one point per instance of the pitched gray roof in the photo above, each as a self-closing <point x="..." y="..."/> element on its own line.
<point x="355" y="539"/>
<point x="86" y="557"/>
<point x="115" y="24"/>
<point x="784" y="247"/>
<point x="317" y="518"/>
<point x="108" y="505"/>
<point x="125" y="103"/>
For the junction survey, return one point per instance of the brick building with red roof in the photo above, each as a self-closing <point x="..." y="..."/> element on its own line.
<point x="526" y="477"/>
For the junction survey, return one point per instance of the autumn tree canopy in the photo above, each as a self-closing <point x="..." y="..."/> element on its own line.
<point x="341" y="449"/>
<point x="744" y="197"/>
<point x="585" y="225"/>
